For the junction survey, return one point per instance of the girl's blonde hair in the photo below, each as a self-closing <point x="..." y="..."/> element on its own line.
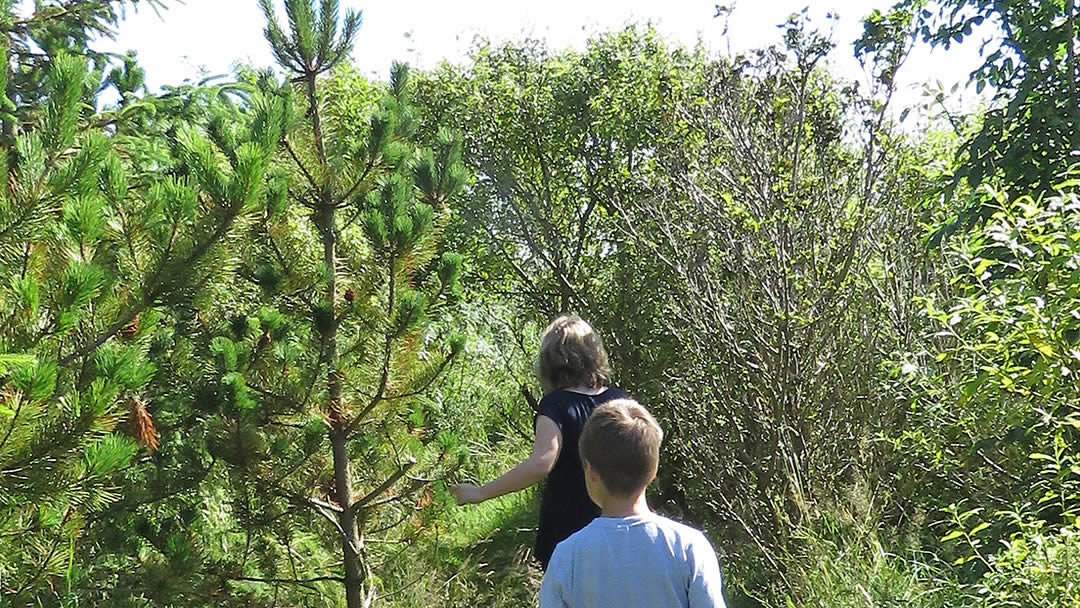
<point x="571" y="354"/>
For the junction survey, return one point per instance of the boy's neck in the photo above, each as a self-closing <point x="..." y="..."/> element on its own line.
<point x="619" y="506"/>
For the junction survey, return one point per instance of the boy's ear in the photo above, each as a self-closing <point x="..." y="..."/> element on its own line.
<point x="590" y="472"/>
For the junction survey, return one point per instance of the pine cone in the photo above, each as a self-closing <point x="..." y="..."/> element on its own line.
<point x="264" y="340"/>
<point x="131" y="329"/>
<point x="426" y="498"/>
<point x="142" y="425"/>
<point x="350" y="295"/>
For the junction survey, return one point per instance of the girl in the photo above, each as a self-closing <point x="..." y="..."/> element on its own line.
<point x="572" y="367"/>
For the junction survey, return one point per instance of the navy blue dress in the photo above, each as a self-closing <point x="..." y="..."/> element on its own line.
<point x="565" y="506"/>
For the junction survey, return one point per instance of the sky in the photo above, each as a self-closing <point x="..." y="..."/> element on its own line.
<point x="206" y="37"/>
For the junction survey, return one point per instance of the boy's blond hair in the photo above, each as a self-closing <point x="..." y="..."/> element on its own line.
<point x="621" y="441"/>
<point x="571" y="354"/>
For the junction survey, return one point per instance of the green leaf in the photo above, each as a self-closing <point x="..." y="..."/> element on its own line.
<point x="955" y="534"/>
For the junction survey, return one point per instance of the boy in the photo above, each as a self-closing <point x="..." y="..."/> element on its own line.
<point x="628" y="557"/>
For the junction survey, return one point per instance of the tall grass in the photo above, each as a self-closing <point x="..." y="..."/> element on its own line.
<point x="481" y="556"/>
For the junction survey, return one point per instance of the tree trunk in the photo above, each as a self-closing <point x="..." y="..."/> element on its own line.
<point x="350" y="541"/>
<point x="339" y="435"/>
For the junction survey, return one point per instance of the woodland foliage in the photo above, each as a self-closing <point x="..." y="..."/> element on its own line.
<point x="252" y="329"/>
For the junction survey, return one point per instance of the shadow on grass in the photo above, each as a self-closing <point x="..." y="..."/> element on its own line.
<point x="483" y="558"/>
<point x="493" y="548"/>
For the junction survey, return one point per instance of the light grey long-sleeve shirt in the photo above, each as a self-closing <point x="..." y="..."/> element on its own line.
<point x="642" y="561"/>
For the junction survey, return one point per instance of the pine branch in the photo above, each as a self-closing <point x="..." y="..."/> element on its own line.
<point x="25" y="215"/>
<point x="127" y="235"/>
<point x="48" y="557"/>
<point x="271" y="394"/>
<point x="360" y="180"/>
<point x="11" y="425"/>
<point x="324" y="509"/>
<point x="101" y="338"/>
<point x="303" y="169"/>
<point x="322" y="504"/>
<point x="277" y="251"/>
<point x="156" y="291"/>
<point x="289" y="581"/>
<point x="415" y="485"/>
<point x="430" y="381"/>
<point x="315" y="373"/>
<point x="292" y="469"/>
<point x="514" y="426"/>
<point x="385" y="375"/>
<point x="316" y="120"/>
<point x="392" y="525"/>
<point x="131" y="506"/>
<point x="384" y="486"/>
<point x="302" y="201"/>
<point x="71" y="9"/>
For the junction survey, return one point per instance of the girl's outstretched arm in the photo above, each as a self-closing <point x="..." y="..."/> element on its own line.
<point x="545" y="452"/>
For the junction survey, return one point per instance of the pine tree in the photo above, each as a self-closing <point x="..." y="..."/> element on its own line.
<point x="54" y="27"/>
<point x="340" y="326"/>
<point x="98" y="240"/>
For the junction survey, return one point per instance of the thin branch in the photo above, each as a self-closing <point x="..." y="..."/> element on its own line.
<point x="156" y="291"/>
<point x="48" y="557"/>
<point x="360" y="180"/>
<point x="101" y="338"/>
<point x="289" y="581"/>
<point x="326" y="510"/>
<point x="183" y="487"/>
<point x="392" y="525"/>
<point x="422" y="389"/>
<point x="417" y="579"/>
<point x="322" y="504"/>
<point x="524" y="276"/>
<point x="59" y="13"/>
<point x="302" y="201"/>
<point x="384" y="377"/>
<point x="303" y="169"/>
<point x="514" y="427"/>
<point x="384" y="486"/>
<point x="11" y="425"/>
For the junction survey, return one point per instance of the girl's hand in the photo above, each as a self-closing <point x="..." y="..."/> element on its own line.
<point x="467" y="493"/>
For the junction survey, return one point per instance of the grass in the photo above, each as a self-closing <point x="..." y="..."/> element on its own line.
<point x="483" y="558"/>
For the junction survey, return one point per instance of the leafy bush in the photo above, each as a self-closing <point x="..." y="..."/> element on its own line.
<point x="990" y="440"/>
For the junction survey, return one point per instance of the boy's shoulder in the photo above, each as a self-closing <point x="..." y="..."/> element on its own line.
<point x="672" y="530"/>
<point x="660" y="562"/>
<point x="686" y="534"/>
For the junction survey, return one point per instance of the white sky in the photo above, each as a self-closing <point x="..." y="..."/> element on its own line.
<point x="211" y="36"/>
